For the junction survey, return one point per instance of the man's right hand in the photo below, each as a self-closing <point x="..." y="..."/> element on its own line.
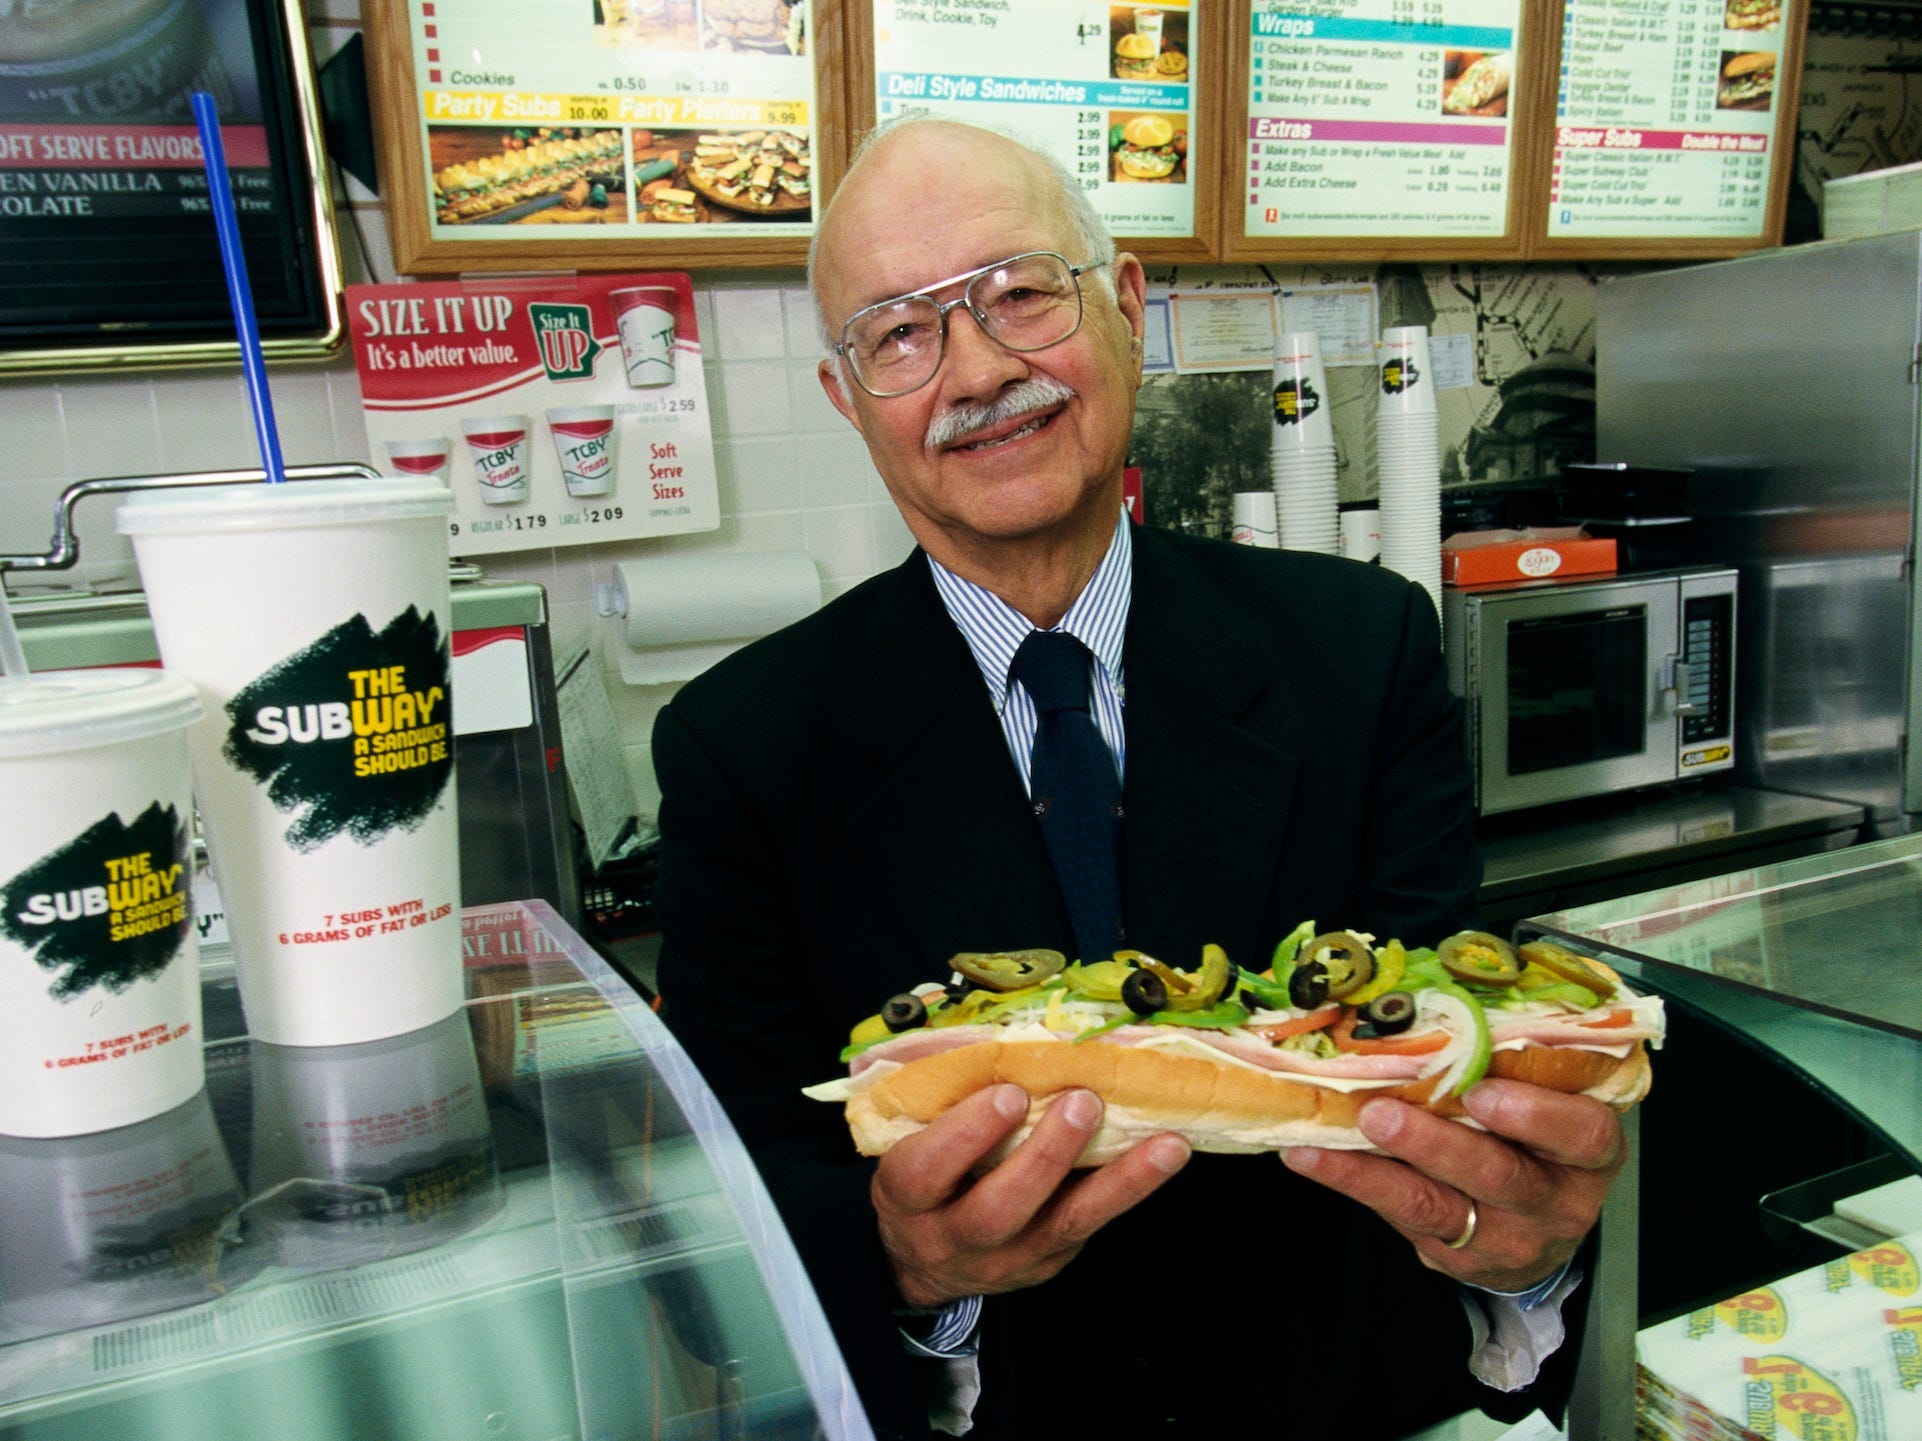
<point x="951" y="1234"/>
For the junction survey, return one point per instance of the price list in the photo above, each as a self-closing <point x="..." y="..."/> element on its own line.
<point x="549" y="119"/>
<point x="1107" y="89"/>
<point x="1665" y="119"/>
<point x="1380" y="117"/>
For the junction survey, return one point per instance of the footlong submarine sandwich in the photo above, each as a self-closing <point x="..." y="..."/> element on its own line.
<point x="1242" y="1061"/>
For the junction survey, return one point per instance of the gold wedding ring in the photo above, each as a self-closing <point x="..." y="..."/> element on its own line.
<point x="1468" y="1231"/>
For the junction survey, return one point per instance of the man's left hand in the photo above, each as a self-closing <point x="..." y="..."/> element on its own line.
<point x="1533" y="1182"/>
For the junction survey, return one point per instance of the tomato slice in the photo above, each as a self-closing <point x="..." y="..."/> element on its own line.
<point x="1417" y="1043"/>
<point x="1298" y="1025"/>
<point x="1619" y="1017"/>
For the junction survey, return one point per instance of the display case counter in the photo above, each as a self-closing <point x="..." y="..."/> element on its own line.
<point x="1794" y="1070"/>
<point x="529" y="1221"/>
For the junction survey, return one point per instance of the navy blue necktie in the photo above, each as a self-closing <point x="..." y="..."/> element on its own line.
<point x="1076" y="794"/>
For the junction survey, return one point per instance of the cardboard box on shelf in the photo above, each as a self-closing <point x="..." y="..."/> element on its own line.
<point x="1491" y="557"/>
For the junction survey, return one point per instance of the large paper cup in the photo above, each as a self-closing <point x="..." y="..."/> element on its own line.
<point x="498" y="446"/>
<point x="99" y="983"/>
<point x="97" y="1229"/>
<point x="1254" y="519"/>
<point x="370" y="1150"/>
<point x="1301" y="393"/>
<point x="645" y="315"/>
<point x="422" y="459"/>
<point x="313" y="617"/>
<point x="1407" y="381"/>
<point x="584" y="439"/>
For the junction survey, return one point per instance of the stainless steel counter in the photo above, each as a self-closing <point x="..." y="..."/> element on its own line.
<point x="1571" y="855"/>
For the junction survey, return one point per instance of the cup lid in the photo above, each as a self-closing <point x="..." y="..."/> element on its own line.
<point x="296" y="504"/>
<point x="69" y="710"/>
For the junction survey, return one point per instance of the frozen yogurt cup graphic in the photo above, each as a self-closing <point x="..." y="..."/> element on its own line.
<point x="498" y="445"/>
<point x="584" y="439"/>
<point x="645" y="315"/>
<point x="426" y="459"/>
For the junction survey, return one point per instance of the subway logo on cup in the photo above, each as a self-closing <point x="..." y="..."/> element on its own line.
<point x="353" y="734"/>
<point x="1292" y="404"/>
<point x="109" y="908"/>
<point x="1905" y="1345"/>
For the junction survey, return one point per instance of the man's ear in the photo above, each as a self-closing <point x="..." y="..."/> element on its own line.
<point x="829" y="374"/>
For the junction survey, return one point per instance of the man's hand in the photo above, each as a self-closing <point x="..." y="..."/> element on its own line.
<point x="951" y="1234"/>
<point x="1535" y="1180"/>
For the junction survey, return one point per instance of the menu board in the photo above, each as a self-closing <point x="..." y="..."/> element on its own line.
<point x="1669" y="119"/>
<point x="563" y="129"/>
<point x="109" y="243"/>
<point x="1115" y="92"/>
<point x="1380" y="118"/>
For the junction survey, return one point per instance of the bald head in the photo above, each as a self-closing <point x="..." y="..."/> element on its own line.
<point x="894" y="159"/>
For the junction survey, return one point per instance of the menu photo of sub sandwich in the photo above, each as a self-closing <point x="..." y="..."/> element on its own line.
<point x="692" y="177"/>
<point x="1475" y="82"/>
<point x="524" y="175"/>
<point x="1760" y="15"/>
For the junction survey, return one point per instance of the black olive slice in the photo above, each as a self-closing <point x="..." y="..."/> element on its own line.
<point x="904" y="1012"/>
<point x="1390" y="1013"/>
<point x="1144" y="993"/>
<point x="1308" y="985"/>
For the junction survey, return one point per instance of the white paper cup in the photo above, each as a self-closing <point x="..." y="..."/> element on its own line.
<point x="584" y="439"/>
<point x="423" y="459"/>
<point x="99" y="983"/>
<point x="1254" y="519"/>
<point x="645" y="317"/>
<point x="97" y="1229"/>
<point x="1148" y="22"/>
<point x="498" y="445"/>
<point x="370" y="1150"/>
<point x="1361" y="534"/>
<point x="1302" y="417"/>
<point x="1407" y="384"/>
<point x="314" y="618"/>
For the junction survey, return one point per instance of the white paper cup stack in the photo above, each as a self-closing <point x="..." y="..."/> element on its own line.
<point x="1408" y="457"/>
<point x="1302" y="455"/>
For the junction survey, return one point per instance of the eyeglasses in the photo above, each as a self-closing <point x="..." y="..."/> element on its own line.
<point x="1027" y="302"/>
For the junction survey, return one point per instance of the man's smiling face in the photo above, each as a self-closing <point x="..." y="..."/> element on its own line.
<point x="998" y="446"/>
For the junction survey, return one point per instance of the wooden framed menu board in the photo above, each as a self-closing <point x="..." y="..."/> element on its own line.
<point x="605" y="134"/>
<point x="1674" y="127"/>
<point x="1127" y="96"/>
<point x="1380" y="129"/>
<point x="108" y="253"/>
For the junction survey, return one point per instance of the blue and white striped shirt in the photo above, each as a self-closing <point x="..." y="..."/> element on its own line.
<point x="1098" y="619"/>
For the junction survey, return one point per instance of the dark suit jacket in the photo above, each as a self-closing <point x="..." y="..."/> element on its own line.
<point x="840" y="815"/>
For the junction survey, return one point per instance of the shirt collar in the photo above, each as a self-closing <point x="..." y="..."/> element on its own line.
<point x="994" y="629"/>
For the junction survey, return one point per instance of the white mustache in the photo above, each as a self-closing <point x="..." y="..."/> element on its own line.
<point x="958" y="422"/>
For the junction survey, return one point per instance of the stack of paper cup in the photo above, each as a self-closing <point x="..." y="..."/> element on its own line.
<point x="1302" y="460"/>
<point x="1408" y="453"/>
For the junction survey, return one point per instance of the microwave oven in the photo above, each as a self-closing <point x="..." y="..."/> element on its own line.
<point x="1579" y="688"/>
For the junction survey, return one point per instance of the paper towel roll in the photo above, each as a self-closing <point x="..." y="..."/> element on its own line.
<point x="682" y="613"/>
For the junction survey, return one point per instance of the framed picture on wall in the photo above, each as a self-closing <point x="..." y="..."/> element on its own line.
<point x="108" y="253"/>
<point x="605" y="134"/>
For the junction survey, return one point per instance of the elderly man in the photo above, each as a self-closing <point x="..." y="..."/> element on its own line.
<point x="846" y="805"/>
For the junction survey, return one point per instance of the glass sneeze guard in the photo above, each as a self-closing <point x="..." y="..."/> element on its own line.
<point x="529" y="1221"/>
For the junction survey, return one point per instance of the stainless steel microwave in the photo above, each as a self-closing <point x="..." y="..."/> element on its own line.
<point x="1578" y="688"/>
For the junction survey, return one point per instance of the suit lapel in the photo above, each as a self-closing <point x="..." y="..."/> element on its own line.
<point x="1206" y="800"/>
<point x="939" y="812"/>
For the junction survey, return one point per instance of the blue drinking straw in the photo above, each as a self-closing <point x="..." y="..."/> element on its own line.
<point x="240" y="294"/>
